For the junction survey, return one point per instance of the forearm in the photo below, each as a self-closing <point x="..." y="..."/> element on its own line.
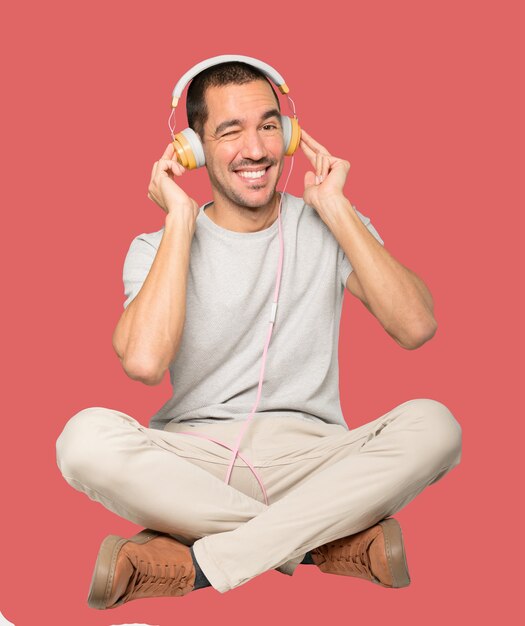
<point x="149" y="332"/>
<point x="396" y="296"/>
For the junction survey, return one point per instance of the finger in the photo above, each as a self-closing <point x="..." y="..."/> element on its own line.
<point x="177" y="168"/>
<point x="310" y="154"/>
<point x="309" y="179"/>
<point x="163" y="159"/>
<point x="176" y="160"/>
<point x="312" y="143"/>
<point x="154" y="170"/>
<point x="318" y="166"/>
<point x="323" y="166"/>
<point x="326" y="167"/>
<point x="168" y="153"/>
<point x="166" y="164"/>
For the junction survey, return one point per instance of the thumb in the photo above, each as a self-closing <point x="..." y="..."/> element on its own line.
<point x="309" y="179"/>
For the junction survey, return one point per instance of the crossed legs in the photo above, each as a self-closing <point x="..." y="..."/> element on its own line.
<point x="368" y="474"/>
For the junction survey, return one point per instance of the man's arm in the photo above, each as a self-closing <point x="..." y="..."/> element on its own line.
<point x="354" y="287"/>
<point x="394" y="294"/>
<point x="148" y="334"/>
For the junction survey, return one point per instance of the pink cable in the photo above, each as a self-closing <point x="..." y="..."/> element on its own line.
<point x="261" y="376"/>
<point x="240" y="436"/>
<point x="229" y="448"/>
<point x="276" y="297"/>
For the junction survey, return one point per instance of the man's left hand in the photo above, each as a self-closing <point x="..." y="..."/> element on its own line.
<point x="329" y="177"/>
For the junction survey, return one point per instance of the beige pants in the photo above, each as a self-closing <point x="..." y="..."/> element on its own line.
<point x="323" y="481"/>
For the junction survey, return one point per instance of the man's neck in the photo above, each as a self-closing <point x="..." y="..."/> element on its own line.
<point x="242" y="219"/>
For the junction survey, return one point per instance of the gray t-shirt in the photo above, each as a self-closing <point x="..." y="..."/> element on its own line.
<point x="230" y="289"/>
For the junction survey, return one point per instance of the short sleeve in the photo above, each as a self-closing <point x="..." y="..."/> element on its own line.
<point x="345" y="267"/>
<point x="137" y="264"/>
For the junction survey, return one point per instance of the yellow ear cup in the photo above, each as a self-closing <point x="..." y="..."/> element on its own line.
<point x="295" y="138"/>
<point x="183" y="152"/>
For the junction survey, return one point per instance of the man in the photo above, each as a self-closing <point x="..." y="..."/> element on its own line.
<point x="198" y="293"/>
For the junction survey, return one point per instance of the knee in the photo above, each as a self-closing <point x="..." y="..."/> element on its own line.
<point x="78" y="448"/>
<point x="440" y="440"/>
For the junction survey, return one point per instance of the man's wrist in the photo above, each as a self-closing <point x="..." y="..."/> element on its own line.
<point x="181" y="219"/>
<point x="335" y="208"/>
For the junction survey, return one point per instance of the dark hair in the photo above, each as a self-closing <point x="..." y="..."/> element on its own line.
<point x="235" y="72"/>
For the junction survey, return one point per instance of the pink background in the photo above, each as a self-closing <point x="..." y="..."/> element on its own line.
<point x="424" y="100"/>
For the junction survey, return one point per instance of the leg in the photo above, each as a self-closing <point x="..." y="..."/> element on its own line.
<point x="119" y="463"/>
<point x="156" y="478"/>
<point x="407" y="449"/>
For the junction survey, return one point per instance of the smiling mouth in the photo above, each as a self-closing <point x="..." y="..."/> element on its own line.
<point x="253" y="175"/>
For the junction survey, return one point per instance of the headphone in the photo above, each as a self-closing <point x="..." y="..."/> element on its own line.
<point x="187" y="143"/>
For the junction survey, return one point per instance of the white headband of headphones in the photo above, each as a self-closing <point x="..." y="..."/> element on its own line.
<point x="268" y="70"/>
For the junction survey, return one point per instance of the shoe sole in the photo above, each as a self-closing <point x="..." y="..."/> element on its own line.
<point x="104" y="571"/>
<point x="395" y="552"/>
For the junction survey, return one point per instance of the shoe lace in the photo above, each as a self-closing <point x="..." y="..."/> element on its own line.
<point x="155" y="579"/>
<point x="354" y="554"/>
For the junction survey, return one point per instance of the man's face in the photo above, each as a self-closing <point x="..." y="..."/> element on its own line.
<point x="243" y="134"/>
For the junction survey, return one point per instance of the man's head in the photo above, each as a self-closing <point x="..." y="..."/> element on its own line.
<point x="235" y="111"/>
<point x="229" y="73"/>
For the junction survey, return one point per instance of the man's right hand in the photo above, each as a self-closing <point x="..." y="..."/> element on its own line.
<point x="164" y="191"/>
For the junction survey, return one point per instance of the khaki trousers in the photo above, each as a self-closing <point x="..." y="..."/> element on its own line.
<point x="323" y="481"/>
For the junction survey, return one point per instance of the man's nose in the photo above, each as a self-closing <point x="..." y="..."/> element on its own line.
<point x="253" y="146"/>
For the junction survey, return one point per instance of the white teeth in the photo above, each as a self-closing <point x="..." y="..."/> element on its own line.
<point x="252" y="174"/>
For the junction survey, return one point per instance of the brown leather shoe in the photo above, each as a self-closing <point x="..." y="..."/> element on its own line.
<point x="376" y="554"/>
<point x="149" y="564"/>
